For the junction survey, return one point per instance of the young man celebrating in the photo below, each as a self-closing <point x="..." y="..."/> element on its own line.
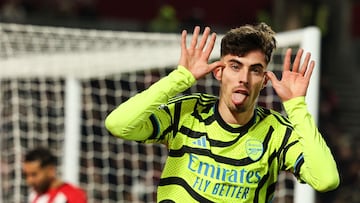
<point x="39" y="167"/>
<point x="228" y="149"/>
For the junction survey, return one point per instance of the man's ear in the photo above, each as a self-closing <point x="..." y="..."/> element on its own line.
<point x="51" y="170"/>
<point x="266" y="79"/>
<point x="217" y="72"/>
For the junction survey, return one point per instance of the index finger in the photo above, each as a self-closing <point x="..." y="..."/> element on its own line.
<point x="310" y="70"/>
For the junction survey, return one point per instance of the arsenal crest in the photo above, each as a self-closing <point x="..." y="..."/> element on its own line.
<point x="254" y="149"/>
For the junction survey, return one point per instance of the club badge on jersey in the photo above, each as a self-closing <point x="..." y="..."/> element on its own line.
<point x="254" y="149"/>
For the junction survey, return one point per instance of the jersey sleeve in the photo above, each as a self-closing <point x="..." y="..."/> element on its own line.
<point x="145" y="115"/>
<point x="315" y="164"/>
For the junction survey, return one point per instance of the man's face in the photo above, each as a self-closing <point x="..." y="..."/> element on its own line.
<point x="37" y="177"/>
<point x="241" y="81"/>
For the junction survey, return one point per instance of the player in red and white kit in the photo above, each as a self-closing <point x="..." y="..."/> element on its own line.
<point x="39" y="167"/>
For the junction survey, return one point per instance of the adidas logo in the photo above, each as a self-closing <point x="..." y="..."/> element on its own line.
<point x="200" y="141"/>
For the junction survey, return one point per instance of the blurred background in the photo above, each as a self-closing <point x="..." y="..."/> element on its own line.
<point x="338" y="20"/>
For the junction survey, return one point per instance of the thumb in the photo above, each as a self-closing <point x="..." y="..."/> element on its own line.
<point x="216" y="64"/>
<point x="271" y="75"/>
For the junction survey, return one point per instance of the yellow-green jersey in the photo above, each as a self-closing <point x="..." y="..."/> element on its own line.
<point x="212" y="161"/>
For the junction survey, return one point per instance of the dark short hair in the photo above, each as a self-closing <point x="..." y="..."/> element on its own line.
<point x="241" y="40"/>
<point x="41" y="154"/>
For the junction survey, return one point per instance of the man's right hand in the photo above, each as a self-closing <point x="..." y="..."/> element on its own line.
<point x="195" y="58"/>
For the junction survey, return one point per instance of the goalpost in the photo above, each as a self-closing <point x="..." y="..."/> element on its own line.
<point x="58" y="84"/>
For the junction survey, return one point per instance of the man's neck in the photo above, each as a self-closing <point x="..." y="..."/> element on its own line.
<point x="233" y="117"/>
<point x="56" y="183"/>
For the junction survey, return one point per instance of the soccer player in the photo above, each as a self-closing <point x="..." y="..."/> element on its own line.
<point x="229" y="149"/>
<point x="39" y="168"/>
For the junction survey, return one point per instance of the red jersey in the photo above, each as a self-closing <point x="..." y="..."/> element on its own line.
<point x="66" y="193"/>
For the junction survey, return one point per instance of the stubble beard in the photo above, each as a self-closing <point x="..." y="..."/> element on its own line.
<point x="237" y="109"/>
<point x="43" y="187"/>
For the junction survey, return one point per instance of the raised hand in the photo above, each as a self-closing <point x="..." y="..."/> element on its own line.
<point x="195" y="57"/>
<point x="295" y="81"/>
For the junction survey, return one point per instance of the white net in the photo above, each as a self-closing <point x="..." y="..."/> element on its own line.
<point x="37" y="62"/>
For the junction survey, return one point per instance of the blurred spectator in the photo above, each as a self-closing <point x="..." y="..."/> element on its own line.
<point x="329" y="103"/>
<point x="66" y="8"/>
<point x="165" y="21"/>
<point x="196" y="18"/>
<point x="39" y="167"/>
<point x="343" y="146"/>
<point x="13" y="11"/>
<point x="87" y="9"/>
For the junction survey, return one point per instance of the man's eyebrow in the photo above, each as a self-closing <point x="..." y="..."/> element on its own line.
<point x="252" y="65"/>
<point x="235" y="61"/>
<point x="257" y="65"/>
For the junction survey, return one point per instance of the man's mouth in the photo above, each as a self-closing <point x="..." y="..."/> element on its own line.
<point x="239" y="97"/>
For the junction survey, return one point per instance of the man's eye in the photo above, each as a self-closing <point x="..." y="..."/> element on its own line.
<point x="235" y="67"/>
<point x="257" y="70"/>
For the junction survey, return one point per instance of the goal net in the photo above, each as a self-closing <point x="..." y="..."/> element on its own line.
<point x="58" y="84"/>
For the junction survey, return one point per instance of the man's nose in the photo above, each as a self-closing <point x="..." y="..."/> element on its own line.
<point x="243" y="76"/>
